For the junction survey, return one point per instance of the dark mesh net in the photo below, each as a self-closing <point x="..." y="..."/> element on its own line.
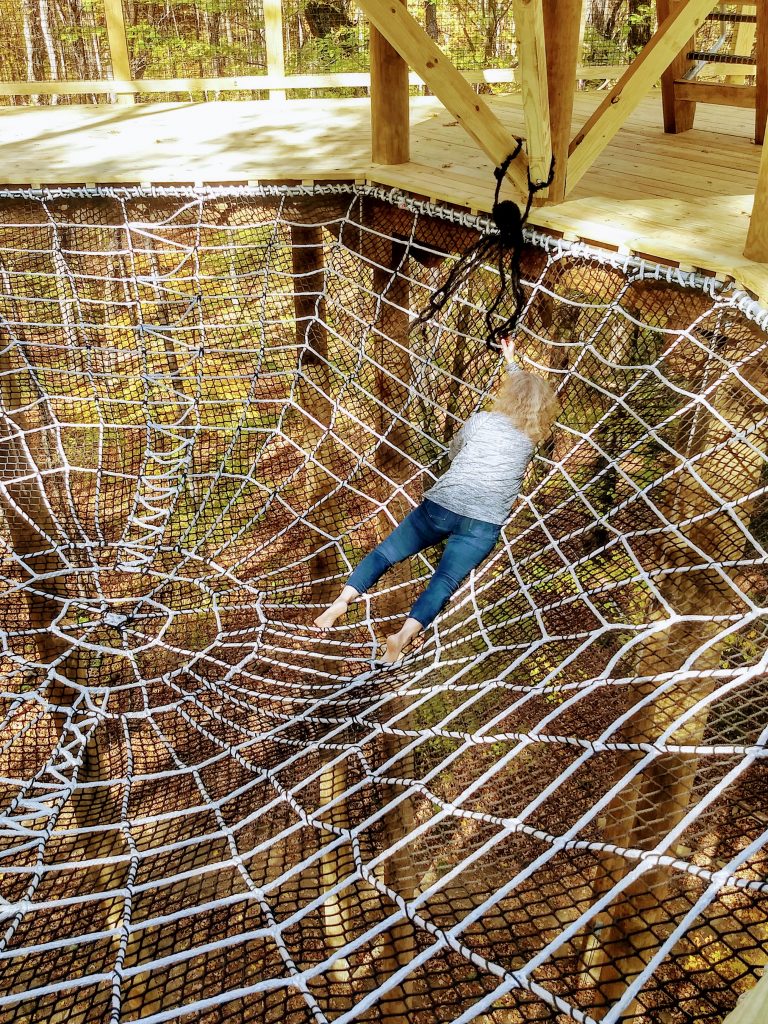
<point x="554" y="810"/>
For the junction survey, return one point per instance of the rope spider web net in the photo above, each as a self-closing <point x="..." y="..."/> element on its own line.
<point x="554" y="810"/>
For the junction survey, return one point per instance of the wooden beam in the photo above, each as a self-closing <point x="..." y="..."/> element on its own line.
<point x="761" y="78"/>
<point x="389" y="103"/>
<point x="757" y="235"/>
<point x="273" y="38"/>
<point x="237" y="83"/>
<point x="529" y="29"/>
<point x="625" y="96"/>
<point x="678" y="113"/>
<point x="454" y="92"/>
<point x="249" y="83"/>
<point x="118" y="45"/>
<point x="563" y="22"/>
<point x="714" y="92"/>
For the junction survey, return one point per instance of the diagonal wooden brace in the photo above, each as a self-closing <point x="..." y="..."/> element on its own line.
<point x="429" y="62"/>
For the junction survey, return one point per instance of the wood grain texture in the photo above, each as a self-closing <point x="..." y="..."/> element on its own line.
<point x="681" y="198"/>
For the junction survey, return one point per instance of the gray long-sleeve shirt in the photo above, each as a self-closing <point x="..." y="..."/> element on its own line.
<point x="489" y="457"/>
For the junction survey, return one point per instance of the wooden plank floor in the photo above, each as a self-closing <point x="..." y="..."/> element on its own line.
<point x="683" y="199"/>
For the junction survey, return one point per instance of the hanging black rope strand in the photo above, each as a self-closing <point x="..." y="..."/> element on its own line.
<point x="507" y="242"/>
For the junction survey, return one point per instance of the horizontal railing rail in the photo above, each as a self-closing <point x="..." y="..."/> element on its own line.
<point x="256" y="83"/>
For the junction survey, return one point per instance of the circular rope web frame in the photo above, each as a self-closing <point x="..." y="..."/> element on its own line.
<point x="554" y="810"/>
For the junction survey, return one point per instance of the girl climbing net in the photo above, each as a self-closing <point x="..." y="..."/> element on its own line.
<point x="466" y="507"/>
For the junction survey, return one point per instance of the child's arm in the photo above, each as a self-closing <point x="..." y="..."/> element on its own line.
<point x="457" y="443"/>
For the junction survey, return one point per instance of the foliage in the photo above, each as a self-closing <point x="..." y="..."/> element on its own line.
<point x="212" y="38"/>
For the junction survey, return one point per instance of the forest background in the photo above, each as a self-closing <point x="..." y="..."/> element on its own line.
<point x="61" y="40"/>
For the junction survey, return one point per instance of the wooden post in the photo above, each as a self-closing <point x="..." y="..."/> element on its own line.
<point x="391" y="350"/>
<point x="118" y="47"/>
<point x="308" y="258"/>
<point x="563" y="24"/>
<point x="757" y="235"/>
<point x="529" y="29"/>
<point x="273" y="38"/>
<point x="335" y="866"/>
<point x="390" y="142"/>
<point x="678" y="113"/>
<point x="761" y="72"/>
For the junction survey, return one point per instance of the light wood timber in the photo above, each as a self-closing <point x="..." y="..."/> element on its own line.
<point x="238" y="83"/>
<point x="273" y="38"/>
<point x="564" y="22"/>
<point x="633" y="85"/>
<point x="389" y="102"/>
<point x="757" y="235"/>
<point x="270" y="82"/>
<point x="118" y="46"/>
<point x="436" y="70"/>
<point x="529" y="28"/>
<point x="714" y="92"/>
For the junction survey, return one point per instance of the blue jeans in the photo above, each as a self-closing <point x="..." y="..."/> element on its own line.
<point x="469" y="542"/>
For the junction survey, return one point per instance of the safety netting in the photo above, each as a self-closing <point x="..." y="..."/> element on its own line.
<point x="555" y="810"/>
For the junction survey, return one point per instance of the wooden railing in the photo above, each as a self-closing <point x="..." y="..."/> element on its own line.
<point x="124" y="88"/>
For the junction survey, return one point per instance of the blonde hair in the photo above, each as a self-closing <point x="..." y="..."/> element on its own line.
<point x="529" y="402"/>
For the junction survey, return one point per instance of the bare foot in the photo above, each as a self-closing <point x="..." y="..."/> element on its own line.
<point x="329" y="616"/>
<point x="393" y="649"/>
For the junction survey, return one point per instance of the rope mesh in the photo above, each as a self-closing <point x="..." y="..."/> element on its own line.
<point x="554" y="810"/>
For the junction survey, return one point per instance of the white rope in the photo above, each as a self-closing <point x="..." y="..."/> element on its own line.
<point x="187" y="476"/>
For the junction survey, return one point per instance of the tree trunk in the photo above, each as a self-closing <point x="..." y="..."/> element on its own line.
<point x="49" y="44"/>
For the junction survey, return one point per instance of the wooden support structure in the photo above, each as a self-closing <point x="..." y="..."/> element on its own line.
<point x="563" y="23"/>
<point x="728" y="95"/>
<point x="273" y="38"/>
<point x="761" y="76"/>
<point x="529" y="28"/>
<point x="389" y="103"/>
<point x="646" y="69"/>
<point x="314" y="388"/>
<point x="118" y="47"/>
<point x="757" y="236"/>
<point x="269" y="82"/>
<point x="391" y="349"/>
<point x="451" y="88"/>
<point x="680" y="93"/>
<point x="335" y="866"/>
<point x="677" y="107"/>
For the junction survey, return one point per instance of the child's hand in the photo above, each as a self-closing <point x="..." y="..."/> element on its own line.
<point x="508" y="349"/>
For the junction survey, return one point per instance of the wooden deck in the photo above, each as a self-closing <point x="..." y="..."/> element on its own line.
<point x="682" y="199"/>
